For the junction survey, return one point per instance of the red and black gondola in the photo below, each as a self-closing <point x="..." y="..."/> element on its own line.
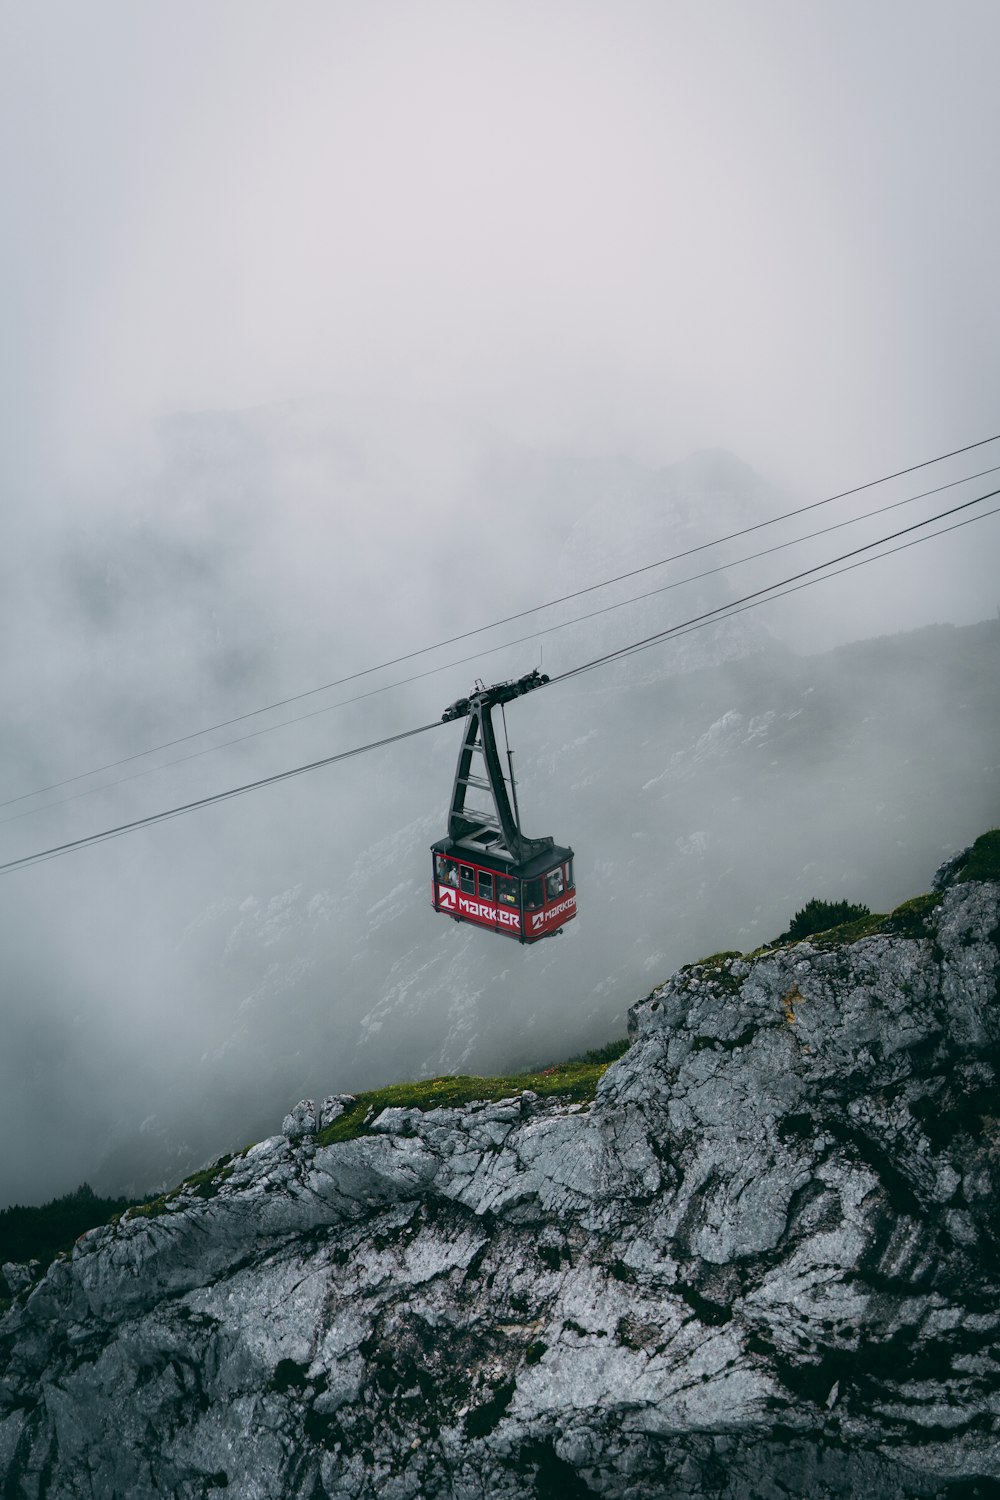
<point x="487" y="871"/>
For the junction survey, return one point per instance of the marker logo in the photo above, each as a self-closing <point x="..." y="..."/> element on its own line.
<point x="544" y="918"/>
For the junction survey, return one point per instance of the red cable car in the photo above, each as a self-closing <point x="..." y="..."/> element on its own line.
<point x="486" y="871"/>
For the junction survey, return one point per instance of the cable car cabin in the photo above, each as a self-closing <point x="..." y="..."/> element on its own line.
<point x="526" y="902"/>
<point x="487" y="871"/>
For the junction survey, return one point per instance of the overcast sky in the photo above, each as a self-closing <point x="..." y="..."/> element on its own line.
<point x="432" y="257"/>
<point x="648" y="226"/>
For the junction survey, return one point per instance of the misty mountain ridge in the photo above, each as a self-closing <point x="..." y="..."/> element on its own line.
<point x="714" y="763"/>
<point x="755" y="1255"/>
<point x="189" y="979"/>
<point x="256" y="553"/>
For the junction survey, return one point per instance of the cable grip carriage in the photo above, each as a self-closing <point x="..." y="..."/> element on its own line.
<point x="487" y="871"/>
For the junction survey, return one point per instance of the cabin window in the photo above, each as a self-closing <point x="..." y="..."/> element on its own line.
<point x="467" y="879"/>
<point x="568" y="867"/>
<point x="554" y="884"/>
<point x="506" y="890"/>
<point x="485" y="886"/>
<point x="532" y="894"/>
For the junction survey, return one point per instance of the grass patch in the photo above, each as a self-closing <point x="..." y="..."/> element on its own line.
<point x="984" y="858"/>
<point x="873" y="925"/>
<point x="716" y="960"/>
<point x="574" y="1082"/>
<point x="911" y="919"/>
<point x="203" y="1184"/>
<point x="41" y="1234"/>
<point x="716" y="970"/>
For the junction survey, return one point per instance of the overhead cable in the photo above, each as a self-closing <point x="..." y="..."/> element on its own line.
<point x="809" y="583"/>
<point x="759" y="596"/>
<point x="387" y="687"/>
<point x="236" y="791"/>
<point x="507" y="619"/>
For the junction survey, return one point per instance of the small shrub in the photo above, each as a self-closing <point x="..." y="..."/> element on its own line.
<point x="820" y="916"/>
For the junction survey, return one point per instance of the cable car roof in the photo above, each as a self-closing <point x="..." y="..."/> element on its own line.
<point x="538" y="864"/>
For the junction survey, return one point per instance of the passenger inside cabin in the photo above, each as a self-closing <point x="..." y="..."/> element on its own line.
<point x="506" y="890"/>
<point x="532" y="894"/>
<point x="554" y="883"/>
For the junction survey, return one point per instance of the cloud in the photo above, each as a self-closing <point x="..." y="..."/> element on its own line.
<point x="338" y="330"/>
<point x="653" y="227"/>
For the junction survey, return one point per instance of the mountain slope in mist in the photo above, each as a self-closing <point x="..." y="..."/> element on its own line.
<point x="759" y="1261"/>
<point x="254" y="555"/>
<point x="170" y="990"/>
<point x="703" y="807"/>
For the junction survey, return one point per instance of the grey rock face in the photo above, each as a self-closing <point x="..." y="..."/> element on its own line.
<point x="301" y="1121"/>
<point x="763" y="1263"/>
<point x="19" y="1275"/>
<point x="305" y="1119"/>
<point x="332" y="1108"/>
<point x="947" y="874"/>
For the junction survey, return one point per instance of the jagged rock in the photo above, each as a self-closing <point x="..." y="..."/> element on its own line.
<point x="763" y="1263"/>
<point x="948" y="873"/>
<point x="18" y="1275"/>
<point x="301" y="1121"/>
<point x="332" y="1108"/>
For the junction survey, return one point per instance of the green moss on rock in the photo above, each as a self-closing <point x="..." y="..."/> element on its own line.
<point x="204" y="1184"/>
<point x="983" y="862"/>
<point x="573" y="1082"/>
<point x="716" y="960"/>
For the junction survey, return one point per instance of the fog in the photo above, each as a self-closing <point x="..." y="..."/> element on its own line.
<point x="334" y="332"/>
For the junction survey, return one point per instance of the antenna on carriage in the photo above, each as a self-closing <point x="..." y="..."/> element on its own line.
<point x="487" y="871"/>
<point x="510" y="765"/>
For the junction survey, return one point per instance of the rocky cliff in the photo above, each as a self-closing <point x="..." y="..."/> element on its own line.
<point x="762" y="1262"/>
